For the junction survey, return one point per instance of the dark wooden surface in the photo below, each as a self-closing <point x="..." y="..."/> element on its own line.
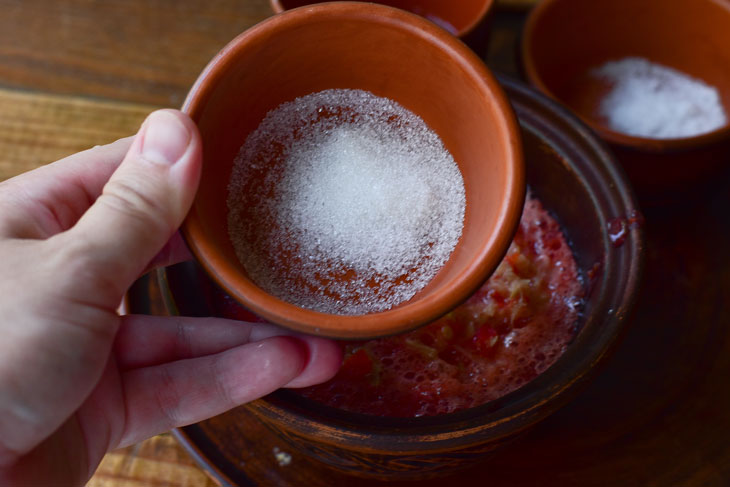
<point x="76" y="73"/>
<point x="142" y="51"/>
<point x="129" y="50"/>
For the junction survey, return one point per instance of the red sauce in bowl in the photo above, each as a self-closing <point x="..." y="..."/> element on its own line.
<point x="511" y="330"/>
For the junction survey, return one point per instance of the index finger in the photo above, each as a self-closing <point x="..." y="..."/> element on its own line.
<point x="143" y="341"/>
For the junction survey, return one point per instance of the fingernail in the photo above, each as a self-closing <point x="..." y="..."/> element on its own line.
<point x="165" y="138"/>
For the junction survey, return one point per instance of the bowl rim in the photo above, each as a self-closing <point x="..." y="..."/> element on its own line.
<point x="455" y="291"/>
<point x="513" y="412"/>
<point x="649" y="144"/>
<point x="278" y="8"/>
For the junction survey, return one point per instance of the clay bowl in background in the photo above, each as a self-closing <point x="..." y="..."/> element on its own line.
<point x="391" y="53"/>
<point x="564" y="39"/>
<point x="570" y="171"/>
<point x="466" y="19"/>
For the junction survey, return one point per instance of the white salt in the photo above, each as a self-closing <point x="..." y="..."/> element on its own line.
<point x="344" y="202"/>
<point x="651" y="100"/>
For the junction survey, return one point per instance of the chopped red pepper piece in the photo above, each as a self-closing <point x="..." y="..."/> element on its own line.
<point x="485" y="339"/>
<point x="519" y="263"/>
<point x="498" y="298"/>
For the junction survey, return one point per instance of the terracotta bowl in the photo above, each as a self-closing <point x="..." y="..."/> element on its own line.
<point x="392" y="54"/>
<point x="579" y="183"/>
<point x="564" y="39"/>
<point x="466" y="19"/>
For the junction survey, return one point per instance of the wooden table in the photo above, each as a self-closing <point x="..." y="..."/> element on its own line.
<point x="77" y="73"/>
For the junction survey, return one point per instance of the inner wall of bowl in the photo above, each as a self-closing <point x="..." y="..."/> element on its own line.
<point x="570" y="37"/>
<point x="459" y="15"/>
<point x="383" y="58"/>
<point x="566" y="198"/>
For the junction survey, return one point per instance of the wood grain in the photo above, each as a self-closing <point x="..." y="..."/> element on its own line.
<point x="131" y="50"/>
<point x="138" y="51"/>
<point x="36" y="129"/>
<point x="158" y="462"/>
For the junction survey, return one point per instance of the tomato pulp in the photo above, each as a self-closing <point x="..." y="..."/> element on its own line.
<point x="511" y="330"/>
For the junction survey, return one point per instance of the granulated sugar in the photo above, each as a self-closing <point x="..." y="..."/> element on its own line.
<point x="651" y="100"/>
<point x="344" y="202"/>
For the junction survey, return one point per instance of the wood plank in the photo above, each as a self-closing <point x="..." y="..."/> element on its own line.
<point x="36" y="129"/>
<point x="132" y="50"/>
<point x="157" y="462"/>
<point x="146" y="51"/>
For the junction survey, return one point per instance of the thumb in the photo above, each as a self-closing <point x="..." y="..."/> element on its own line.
<point x="140" y="208"/>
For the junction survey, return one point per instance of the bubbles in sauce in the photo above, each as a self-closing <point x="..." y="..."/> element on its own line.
<point x="510" y="331"/>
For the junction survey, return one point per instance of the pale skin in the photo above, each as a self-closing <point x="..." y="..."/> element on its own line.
<point x="77" y="379"/>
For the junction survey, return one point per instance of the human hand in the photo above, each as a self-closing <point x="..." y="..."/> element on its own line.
<point x="76" y="379"/>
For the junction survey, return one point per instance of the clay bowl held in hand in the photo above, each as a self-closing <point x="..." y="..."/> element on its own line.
<point x="579" y="184"/>
<point x="392" y="54"/>
<point x="465" y="19"/>
<point x="564" y="40"/>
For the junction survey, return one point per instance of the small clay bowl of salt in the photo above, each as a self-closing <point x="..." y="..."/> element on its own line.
<point x="362" y="170"/>
<point x="650" y="77"/>
<point x="447" y="396"/>
<point x="466" y="19"/>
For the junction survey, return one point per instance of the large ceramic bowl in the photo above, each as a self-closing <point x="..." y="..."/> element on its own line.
<point x="579" y="183"/>
<point x="565" y="39"/>
<point x="390" y="53"/>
